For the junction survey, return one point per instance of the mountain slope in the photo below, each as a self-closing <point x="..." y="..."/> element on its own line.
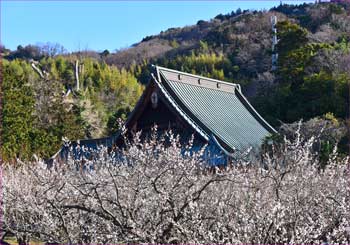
<point x="244" y="38"/>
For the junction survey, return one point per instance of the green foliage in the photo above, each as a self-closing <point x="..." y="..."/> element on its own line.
<point x="319" y="94"/>
<point x="291" y="36"/>
<point x="307" y="86"/>
<point x="325" y="151"/>
<point x="36" y="116"/>
<point x="174" y="44"/>
<point x="203" y="47"/>
<point x="322" y="93"/>
<point x="113" y="124"/>
<point x="330" y="117"/>
<point x="206" y="64"/>
<point x="105" y="53"/>
<point x="27" y="52"/>
<point x="18" y="106"/>
<point x="343" y="145"/>
<point x="272" y="143"/>
<point x="336" y="8"/>
<point x="67" y="122"/>
<point x="112" y="88"/>
<point x="293" y="64"/>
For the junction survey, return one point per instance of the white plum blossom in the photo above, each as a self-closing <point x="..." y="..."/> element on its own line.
<point x="154" y="192"/>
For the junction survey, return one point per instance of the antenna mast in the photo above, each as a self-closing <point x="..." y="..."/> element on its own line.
<point x="274" y="42"/>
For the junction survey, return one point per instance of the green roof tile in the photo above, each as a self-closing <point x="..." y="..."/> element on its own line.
<point x="219" y="108"/>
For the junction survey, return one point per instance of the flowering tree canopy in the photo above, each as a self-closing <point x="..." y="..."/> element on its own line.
<point x="157" y="192"/>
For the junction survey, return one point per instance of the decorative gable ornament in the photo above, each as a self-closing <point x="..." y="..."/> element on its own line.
<point x="154" y="100"/>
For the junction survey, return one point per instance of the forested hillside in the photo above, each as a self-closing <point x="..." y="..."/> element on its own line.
<point x="43" y="103"/>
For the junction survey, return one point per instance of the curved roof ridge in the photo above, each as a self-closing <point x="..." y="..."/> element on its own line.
<point x="197" y="80"/>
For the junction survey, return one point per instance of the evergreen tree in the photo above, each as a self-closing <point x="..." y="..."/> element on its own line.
<point x="17" y="130"/>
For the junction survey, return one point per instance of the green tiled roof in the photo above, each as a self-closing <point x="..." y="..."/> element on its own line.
<point x="217" y="108"/>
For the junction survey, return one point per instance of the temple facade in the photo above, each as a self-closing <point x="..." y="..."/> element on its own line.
<point x="214" y="111"/>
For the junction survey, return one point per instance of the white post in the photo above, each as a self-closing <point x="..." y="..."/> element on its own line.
<point x="77" y="74"/>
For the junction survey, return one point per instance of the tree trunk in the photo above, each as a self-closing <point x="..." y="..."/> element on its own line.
<point x="23" y="240"/>
<point x="38" y="70"/>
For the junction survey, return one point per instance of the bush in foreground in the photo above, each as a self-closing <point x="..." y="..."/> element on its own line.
<point x="157" y="193"/>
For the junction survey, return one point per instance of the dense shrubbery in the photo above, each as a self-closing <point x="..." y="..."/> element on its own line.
<point x="156" y="192"/>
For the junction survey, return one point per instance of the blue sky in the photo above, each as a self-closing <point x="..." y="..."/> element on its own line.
<point x="99" y="25"/>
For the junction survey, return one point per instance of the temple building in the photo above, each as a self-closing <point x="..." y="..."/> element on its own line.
<point x="215" y="112"/>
